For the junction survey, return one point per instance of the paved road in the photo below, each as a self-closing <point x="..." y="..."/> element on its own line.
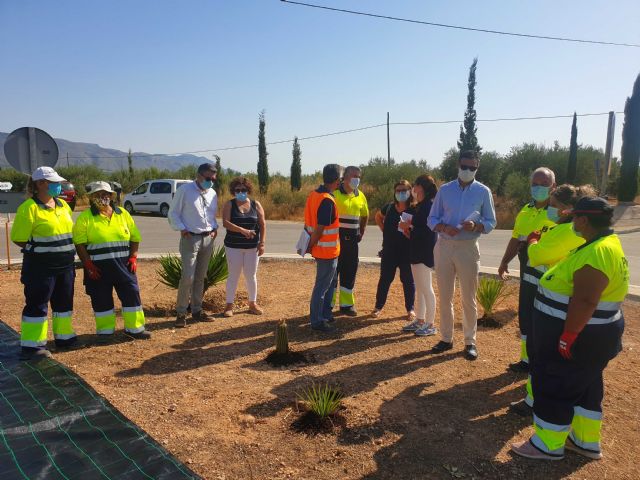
<point x="157" y="238"/>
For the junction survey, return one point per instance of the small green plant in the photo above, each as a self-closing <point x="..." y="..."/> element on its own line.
<point x="282" y="339"/>
<point x="489" y="294"/>
<point x="323" y="400"/>
<point x="170" y="269"/>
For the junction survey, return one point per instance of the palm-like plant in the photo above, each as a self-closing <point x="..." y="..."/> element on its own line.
<point x="323" y="400"/>
<point x="490" y="293"/>
<point x="171" y="269"/>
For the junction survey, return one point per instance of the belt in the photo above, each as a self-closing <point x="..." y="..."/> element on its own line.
<point x="201" y="233"/>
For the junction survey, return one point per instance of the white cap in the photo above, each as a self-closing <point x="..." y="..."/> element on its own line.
<point x="46" y="173"/>
<point x="99" y="186"/>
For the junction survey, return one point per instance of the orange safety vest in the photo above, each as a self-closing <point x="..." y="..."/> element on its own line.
<point x="328" y="245"/>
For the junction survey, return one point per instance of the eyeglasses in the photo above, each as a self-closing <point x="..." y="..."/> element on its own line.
<point x="241" y="190"/>
<point x="468" y="167"/>
<point x="209" y="179"/>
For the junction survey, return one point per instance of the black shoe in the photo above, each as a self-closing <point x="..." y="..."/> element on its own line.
<point x="68" y="343"/>
<point x="143" y="335"/>
<point x="470" y="352"/>
<point x="324" y="327"/>
<point x="331" y="319"/>
<point x="521" y="408"/>
<point x="181" y="321"/>
<point x="104" y="338"/>
<point x="28" y="353"/>
<point x="442" y="346"/>
<point x="519" y="367"/>
<point x="349" y="311"/>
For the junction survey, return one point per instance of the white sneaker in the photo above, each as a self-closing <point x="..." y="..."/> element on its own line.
<point x="412" y="327"/>
<point x="426" y="330"/>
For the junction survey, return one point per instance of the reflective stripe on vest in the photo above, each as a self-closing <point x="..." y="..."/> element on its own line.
<point x="533" y="274"/>
<point x="557" y="305"/>
<point x="351" y="222"/>
<point x="53" y="244"/>
<point x="108" y="250"/>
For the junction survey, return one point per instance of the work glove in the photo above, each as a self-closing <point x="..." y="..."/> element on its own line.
<point x="92" y="270"/>
<point x="565" y="343"/>
<point x="132" y="264"/>
<point x="533" y="237"/>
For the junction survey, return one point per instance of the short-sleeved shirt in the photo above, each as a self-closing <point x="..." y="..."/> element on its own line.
<point x="47" y="234"/>
<point x="530" y="219"/>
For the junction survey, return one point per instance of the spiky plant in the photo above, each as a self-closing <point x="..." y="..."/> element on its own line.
<point x="323" y="400"/>
<point x="282" y="339"/>
<point x="490" y="292"/>
<point x="170" y="269"/>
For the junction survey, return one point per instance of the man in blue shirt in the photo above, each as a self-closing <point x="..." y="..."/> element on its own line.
<point x="462" y="210"/>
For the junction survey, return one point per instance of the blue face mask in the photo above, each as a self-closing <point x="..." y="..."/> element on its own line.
<point x="241" y="196"/>
<point x="354" y="183"/>
<point x="402" y="196"/>
<point x="206" y="185"/>
<point x="540" y="193"/>
<point x="553" y="214"/>
<point x="54" y="189"/>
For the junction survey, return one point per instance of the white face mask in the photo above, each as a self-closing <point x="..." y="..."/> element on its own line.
<point x="466" y="175"/>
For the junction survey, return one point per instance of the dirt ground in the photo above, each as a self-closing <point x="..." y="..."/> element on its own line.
<point x="206" y="393"/>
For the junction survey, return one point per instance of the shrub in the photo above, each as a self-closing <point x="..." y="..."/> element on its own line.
<point x="171" y="269"/>
<point x="490" y="292"/>
<point x="323" y="400"/>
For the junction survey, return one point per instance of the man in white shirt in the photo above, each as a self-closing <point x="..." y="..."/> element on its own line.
<point x="193" y="214"/>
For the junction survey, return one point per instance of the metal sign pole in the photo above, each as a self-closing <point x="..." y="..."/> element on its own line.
<point x="6" y="232"/>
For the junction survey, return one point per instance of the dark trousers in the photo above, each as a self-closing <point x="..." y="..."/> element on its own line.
<point x="389" y="262"/>
<point x="567" y="392"/>
<point x="347" y="269"/>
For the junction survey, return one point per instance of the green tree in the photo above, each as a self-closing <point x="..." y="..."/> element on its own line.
<point x="468" y="139"/>
<point x="630" y="153"/>
<point x="296" y="166"/>
<point x="573" y="152"/>
<point x="263" y="167"/>
<point x="130" y="162"/>
<point x="491" y="171"/>
<point x="448" y="169"/>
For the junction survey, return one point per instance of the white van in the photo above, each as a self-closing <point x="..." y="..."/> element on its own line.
<point x="153" y="196"/>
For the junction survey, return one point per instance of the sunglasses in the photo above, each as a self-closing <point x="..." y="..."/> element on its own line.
<point x="404" y="190"/>
<point x="468" y="167"/>
<point x="209" y="179"/>
<point x="240" y="190"/>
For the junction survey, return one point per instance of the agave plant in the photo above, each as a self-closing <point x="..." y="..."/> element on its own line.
<point x="323" y="400"/>
<point x="489" y="293"/>
<point x="171" y="269"/>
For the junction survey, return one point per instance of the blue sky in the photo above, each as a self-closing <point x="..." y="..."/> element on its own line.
<point x="167" y="76"/>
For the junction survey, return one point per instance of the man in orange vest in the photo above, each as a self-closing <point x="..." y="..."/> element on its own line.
<point x="322" y="223"/>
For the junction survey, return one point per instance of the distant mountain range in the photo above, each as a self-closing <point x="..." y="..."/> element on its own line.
<point x="93" y="154"/>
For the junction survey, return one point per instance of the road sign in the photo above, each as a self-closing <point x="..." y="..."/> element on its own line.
<point x="5" y="186"/>
<point x="28" y="148"/>
<point x="10" y="201"/>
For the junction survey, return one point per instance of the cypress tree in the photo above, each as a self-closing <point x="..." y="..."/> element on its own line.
<point x="572" y="166"/>
<point x="130" y="162"/>
<point x="263" y="167"/>
<point x="219" y="176"/>
<point x="296" y="167"/>
<point x="468" y="139"/>
<point x="630" y="153"/>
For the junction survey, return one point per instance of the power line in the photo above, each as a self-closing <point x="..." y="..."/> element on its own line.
<point x="458" y="27"/>
<point x="351" y="130"/>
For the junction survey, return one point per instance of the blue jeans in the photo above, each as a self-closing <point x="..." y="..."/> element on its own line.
<point x="323" y="290"/>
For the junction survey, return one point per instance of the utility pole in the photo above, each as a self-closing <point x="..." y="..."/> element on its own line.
<point x="67" y="159"/>
<point x="606" y="168"/>
<point x="388" y="143"/>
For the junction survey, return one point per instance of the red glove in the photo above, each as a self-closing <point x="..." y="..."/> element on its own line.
<point x="533" y="237"/>
<point x="132" y="263"/>
<point x="92" y="270"/>
<point x="565" y="343"/>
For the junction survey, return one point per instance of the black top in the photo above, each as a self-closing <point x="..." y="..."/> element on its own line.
<point x="423" y="239"/>
<point x="327" y="209"/>
<point x="393" y="240"/>
<point x="247" y="220"/>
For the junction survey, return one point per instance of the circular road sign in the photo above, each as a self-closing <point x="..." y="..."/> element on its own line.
<point x="28" y="148"/>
